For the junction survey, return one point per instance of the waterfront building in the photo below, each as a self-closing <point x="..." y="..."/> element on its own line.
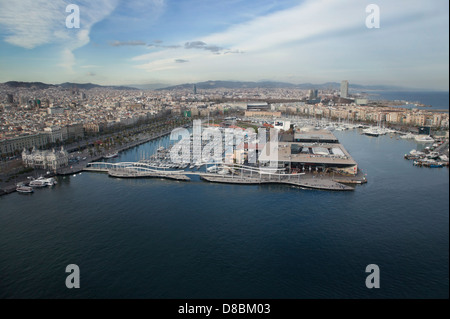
<point x="49" y="160"/>
<point x="318" y="151"/>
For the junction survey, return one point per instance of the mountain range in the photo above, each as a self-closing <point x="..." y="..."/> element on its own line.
<point x="66" y="85"/>
<point x="271" y="84"/>
<point x="206" y="85"/>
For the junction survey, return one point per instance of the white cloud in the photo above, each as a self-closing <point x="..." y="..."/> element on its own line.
<point x="323" y="40"/>
<point x="32" y="23"/>
<point x="67" y="60"/>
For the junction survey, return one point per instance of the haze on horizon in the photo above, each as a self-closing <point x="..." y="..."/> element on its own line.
<point x="166" y="41"/>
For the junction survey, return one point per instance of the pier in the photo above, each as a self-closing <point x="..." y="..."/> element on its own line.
<point x="239" y="175"/>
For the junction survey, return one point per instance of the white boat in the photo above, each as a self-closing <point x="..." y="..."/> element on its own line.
<point x="424" y="139"/>
<point x="38" y="183"/>
<point x="212" y="169"/>
<point x="49" y="181"/>
<point x="111" y="155"/>
<point x="198" y="165"/>
<point x="416" y="153"/>
<point x="375" y="131"/>
<point x="24" y="189"/>
<point x="372" y="132"/>
<point x="408" y="136"/>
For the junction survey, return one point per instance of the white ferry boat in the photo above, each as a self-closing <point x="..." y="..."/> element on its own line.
<point x="38" y="183"/>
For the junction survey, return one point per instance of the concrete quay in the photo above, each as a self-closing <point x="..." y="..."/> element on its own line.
<point x="148" y="174"/>
<point x="311" y="183"/>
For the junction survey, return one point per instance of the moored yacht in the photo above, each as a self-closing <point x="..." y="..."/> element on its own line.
<point x="408" y="136"/>
<point x="38" y="183"/>
<point x="372" y="132"/>
<point x="111" y="155"/>
<point x="424" y="139"/>
<point x="21" y="188"/>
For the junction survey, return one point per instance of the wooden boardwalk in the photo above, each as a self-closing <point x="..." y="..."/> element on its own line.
<point x="320" y="184"/>
<point x="139" y="174"/>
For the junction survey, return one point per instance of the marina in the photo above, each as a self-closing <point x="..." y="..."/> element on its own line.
<point x="313" y="160"/>
<point x="312" y="151"/>
<point x="435" y="156"/>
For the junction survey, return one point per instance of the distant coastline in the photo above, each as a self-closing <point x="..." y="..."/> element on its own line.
<point x="438" y="100"/>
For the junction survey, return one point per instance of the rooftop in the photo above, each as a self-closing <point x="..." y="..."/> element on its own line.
<point x="318" y="147"/>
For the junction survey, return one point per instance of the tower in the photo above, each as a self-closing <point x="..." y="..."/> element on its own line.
<point x="312" y="94"/>
<point x="344" y="89"/>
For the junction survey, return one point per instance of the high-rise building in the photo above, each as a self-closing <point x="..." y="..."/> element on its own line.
<point x="195" y="89"/>
<point x="344" y="89"/>
<point x="312" y="94"/>
<point x="9" y="98"/>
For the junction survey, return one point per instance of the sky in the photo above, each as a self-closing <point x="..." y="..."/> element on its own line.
<point x="130" y="42"/>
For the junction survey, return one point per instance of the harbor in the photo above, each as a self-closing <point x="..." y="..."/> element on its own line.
<point x="309" y="161"/>
<point x="308" y="157"/>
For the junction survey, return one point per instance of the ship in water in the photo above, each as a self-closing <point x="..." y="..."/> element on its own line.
<point x="43" y="182"/>
<point x="23" y="189"/>
<point x="408" y="136"/>
<point x="424" y="139"/>
<point x="111" y="155"/>
<point x="374" y="131"/>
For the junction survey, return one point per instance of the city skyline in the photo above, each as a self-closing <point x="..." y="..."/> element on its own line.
<point x="159" y="41"/>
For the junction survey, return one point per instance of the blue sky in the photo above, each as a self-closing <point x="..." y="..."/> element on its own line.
<point x="168" y="41"/>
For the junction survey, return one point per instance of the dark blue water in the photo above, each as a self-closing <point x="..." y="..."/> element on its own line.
<point x="437" y="100"/>
<point x="162" y="239"/>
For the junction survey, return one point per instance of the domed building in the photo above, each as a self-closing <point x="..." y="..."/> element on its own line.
<point x="48" y="160"/>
